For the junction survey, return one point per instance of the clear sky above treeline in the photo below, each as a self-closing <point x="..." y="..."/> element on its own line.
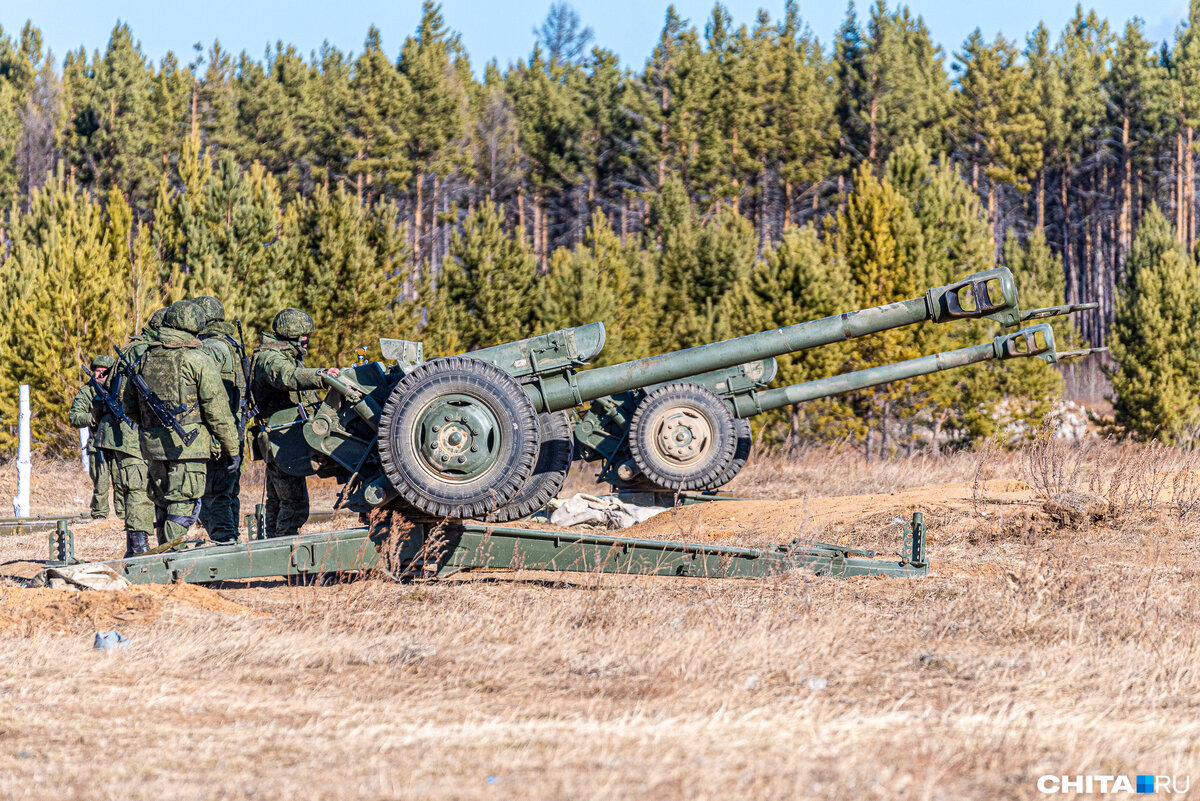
<point x="503" y="30"/>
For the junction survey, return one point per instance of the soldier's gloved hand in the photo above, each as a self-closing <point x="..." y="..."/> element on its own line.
<point x="235" y="463"/>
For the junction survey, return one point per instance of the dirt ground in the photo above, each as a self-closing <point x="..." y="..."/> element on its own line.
<point x="1057" y="635"/>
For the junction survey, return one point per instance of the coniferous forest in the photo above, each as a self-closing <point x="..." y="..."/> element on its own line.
<point x="746" y="175"/>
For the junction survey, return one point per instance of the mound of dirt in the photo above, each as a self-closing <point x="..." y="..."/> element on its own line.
<point x="25" y="610"/>
<point x="756" y="522"/>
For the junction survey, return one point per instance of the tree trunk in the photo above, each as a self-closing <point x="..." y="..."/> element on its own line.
<point x="1179" y="202"/>
<point x="418" y="221"/>
<point x="1041" y="199"/>
<point x="1072" y="289"/>
<point x="787" y="206"/>
<point x="521" y="212"/>
<point x="433" y="222"/>
<point x="1190" y="190"/>
<point x="1125" y="237"/>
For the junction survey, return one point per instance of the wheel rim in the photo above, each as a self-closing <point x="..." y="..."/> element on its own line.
<point x="457" y="437"/>
<point x="681" y="435"/>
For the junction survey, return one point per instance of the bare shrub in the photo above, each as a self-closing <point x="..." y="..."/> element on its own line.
<point x="1053" y="464"/>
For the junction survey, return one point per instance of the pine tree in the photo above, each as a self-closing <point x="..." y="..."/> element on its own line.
<point x="879" y="239"/>
<point x="808" y="131"/>
<point x="1137" y="85"/>
<point x="675" y="77"/>
<point x="381" y="117"/>
<point x="599" y="280"/>
<point x="66" y="285"/>
<point x="798" y="279"/>
<point x="432" y="63"/>
<point x="697" y="264"/>
<point x="999" y="134"/>
<point x="488" y="279"/>
<point x="110" y="138"/>
<point x="346" y="270"/>
<point x="217" y="236"/>
<point x="892" y="83"/>
<point x="1153" y="339"/>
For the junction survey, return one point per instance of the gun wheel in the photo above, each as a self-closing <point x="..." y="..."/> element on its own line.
<point x="549" y="474"/>
<point x="741" y="453"/>
<point x="458" y="437"/>
<point x="683" y="437"/>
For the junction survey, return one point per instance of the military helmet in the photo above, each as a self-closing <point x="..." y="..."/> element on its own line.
<point x="292" y="324"/>
<point x="103" y="360"/>
<point x="185" y="316"/>
<point x="214" y="312"/>
<point x="156" y="320"/>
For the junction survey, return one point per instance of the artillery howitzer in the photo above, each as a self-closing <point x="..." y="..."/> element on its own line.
<point x="484" y="436"/>
<point x="491" y="436"/>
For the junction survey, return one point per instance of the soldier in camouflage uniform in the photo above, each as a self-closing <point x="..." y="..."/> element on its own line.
<point x="138" y="346"/>
<point x="279" y="377"/>
<point x="119" y="444"/>
<point x="178" y="370"/>
<point x="220" y="507"/>
<point x="84" y="414"/>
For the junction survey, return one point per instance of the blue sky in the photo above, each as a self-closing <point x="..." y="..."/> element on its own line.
<point x="502" y="30"/>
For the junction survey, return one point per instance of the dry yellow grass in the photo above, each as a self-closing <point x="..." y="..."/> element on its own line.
<point x="1032" y="649"/>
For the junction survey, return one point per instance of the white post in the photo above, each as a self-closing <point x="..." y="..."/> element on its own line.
<point x="84" y="434"/>
<point x="21" y="502"/>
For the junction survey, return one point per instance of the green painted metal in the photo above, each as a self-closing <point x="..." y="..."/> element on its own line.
<point x="991" y="294"/>
<point x="1034" y="341"/>
<point x="438" y="551"/>
<point x="61" y="542"/>
<point x="28" y="525"/>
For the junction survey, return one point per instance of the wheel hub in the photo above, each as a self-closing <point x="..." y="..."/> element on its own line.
<point x="457" y="438"/>
<point x="682" y="435"/>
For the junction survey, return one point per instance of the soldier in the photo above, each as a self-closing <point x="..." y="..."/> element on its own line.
<point x="183" y="376"/>
<point x="278" y="379"/>
<point x="137" y="348"/>
<point x="85" y="414"/>
<point x="220" y="507"/>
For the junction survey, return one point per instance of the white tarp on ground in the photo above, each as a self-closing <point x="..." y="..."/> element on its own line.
<point x="80" y="577"/>
<point x="603" y="511"/>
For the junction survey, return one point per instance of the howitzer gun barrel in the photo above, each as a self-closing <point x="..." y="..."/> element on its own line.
<point x="1037" y="340"/>
<point x="991" y="293"/>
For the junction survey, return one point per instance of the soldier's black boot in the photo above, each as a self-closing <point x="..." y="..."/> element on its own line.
<point x="135" y="544"/>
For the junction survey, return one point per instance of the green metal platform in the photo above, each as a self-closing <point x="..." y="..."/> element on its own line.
<point x="430" y="551"/>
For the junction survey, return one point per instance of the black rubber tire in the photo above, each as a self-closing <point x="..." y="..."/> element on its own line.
<point x="715" y="459"/>
<point x="549" y="474"/>
<point x="517" y="427"/>
<point x="741" y="452"/>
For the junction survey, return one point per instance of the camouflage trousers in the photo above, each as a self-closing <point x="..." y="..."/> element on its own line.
<point x="287" y="503"/>
<point x="176" y="489"/>
<point x="101" y="472"/>
<point x="221" y="506"/>
<point x="131" y="478"/>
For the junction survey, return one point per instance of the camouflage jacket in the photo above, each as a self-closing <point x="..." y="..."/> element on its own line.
<point x="280" y="376"/>
<point x="178" y="369"/>
<point x="218" y="339"/>
<point x="84" y="413"/>
<point x="108" y="433"/>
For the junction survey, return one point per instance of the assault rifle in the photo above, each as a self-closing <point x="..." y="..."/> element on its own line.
<point x="246" y="407"/>
<point x="111" y="400"/>
<point x="163" y="413"/>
